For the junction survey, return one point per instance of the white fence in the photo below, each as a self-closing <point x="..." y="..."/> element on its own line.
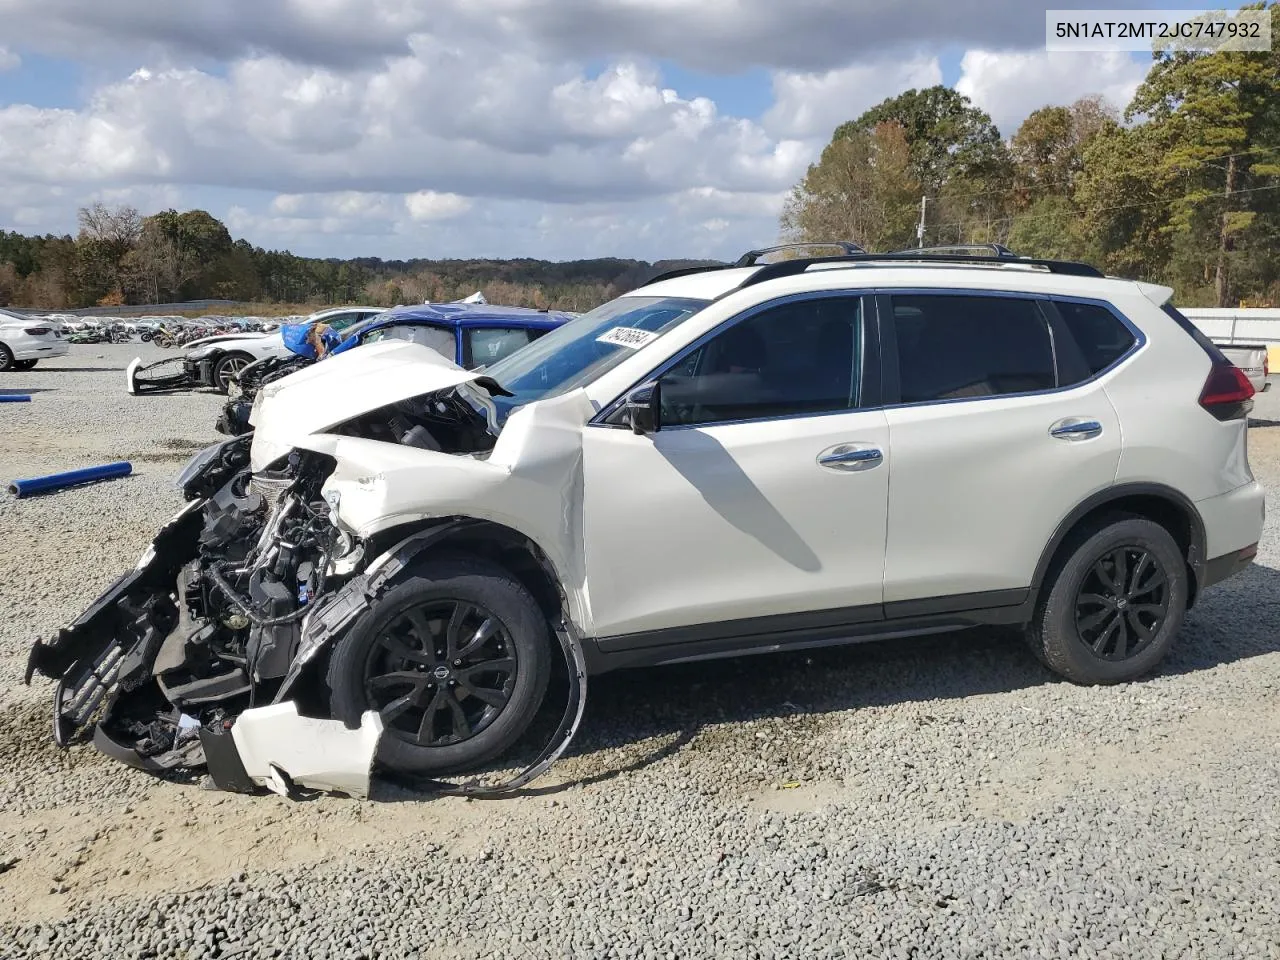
<point x="1236" y="324"/>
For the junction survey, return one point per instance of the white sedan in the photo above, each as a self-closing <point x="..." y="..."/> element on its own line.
<point x="25" y="341"/>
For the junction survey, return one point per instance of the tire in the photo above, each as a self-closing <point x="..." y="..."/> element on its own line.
<point x="1099" y="624"/>
<point x="436" y="590"/>
<point x="25" y="364"/>
<point x="6" y="358"/>
<point x="228" y="365"/>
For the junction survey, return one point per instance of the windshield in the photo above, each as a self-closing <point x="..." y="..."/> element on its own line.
<point x="584" y="349"/>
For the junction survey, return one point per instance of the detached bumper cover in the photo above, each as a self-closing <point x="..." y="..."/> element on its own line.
<point x="280" y="750"/>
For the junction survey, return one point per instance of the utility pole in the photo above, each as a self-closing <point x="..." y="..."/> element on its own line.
<point x="920" y="226"/>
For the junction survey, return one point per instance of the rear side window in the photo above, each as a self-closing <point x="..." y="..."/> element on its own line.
<point x="486" y="345"/>
<point x="954" y="347"/>
<point x="1093" y="339"/>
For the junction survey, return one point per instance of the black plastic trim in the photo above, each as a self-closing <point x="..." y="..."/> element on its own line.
<point x="1195" y="555"/>
<point x="957" y="603"/>
<point x="800" y="631"/>
<point x="1228" y="565"/>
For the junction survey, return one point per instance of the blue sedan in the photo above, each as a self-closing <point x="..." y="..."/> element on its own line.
<point x="469" y="334"/>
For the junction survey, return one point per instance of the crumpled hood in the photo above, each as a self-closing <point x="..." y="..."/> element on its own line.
<point x="343" y="386"/>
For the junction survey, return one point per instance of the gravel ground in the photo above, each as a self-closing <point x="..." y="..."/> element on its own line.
<point x="944" y="798"/>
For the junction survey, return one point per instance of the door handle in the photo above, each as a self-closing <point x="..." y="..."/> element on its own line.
<point x="850" y="456"/>
<point x="1076" y="428"/>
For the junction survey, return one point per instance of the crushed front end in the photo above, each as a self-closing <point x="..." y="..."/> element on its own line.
<point x="205" y="629"/>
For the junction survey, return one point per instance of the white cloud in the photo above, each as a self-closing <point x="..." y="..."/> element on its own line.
<point x="429" y="205"/>
<point x="1010" y="85"/>
<point x="717" y="35"/>
<point x="510" y="127"/>
<point x="473" y="127"/>
<point x="9" y="60"/>
<point x="814" y="104"/>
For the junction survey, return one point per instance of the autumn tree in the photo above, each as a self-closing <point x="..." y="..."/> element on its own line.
<point x="1218" y="114"/>
<point x="107" y="235"/>
<point x="861" y="189"/>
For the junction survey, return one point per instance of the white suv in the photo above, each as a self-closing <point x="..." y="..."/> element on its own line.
<point x="727" y="461"/>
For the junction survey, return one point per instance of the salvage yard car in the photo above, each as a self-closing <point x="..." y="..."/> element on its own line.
<point x="467" y="334"/>
<point x="734" y="460"/>
<point x="25" y="341"/>
<point x="214" y="361"/>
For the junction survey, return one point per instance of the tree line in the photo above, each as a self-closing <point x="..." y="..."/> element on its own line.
<point x="1181" y="188"/>
<point x="119" y="257"/>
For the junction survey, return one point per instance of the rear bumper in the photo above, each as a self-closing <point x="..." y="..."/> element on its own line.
<point x="39" y="349"/>
<point x="1232" y="527"/>
<point x="1220" y="568"/>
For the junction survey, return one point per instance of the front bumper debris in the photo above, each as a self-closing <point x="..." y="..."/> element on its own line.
<point x="172" y="373"/>
<point x="203" y="656"/>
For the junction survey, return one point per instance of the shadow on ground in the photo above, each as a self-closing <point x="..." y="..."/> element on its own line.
<point x="672" y="704"/>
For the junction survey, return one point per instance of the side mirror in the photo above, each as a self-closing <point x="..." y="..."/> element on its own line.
<point x="643" y="408"/>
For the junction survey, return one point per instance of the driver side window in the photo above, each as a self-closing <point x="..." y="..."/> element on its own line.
<point x="802" y="357"/>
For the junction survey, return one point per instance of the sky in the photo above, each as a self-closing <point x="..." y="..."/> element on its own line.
<point x="557" y="129"/>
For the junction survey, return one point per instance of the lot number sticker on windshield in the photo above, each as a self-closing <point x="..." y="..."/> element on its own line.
<point x="632" y="337"/>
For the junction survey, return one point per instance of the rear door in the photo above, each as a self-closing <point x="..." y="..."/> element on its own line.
<point x="1000" y="428"/>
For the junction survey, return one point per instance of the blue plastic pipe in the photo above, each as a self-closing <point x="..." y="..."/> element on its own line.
<point x="15" y="398"/>
<point x="55" y="481"/>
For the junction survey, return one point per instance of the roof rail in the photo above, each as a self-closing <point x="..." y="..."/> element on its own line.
<point x="964" y="249"/>
<point x="789" y="268"/>
<point x="752" y="257"/>
<point x="685" y="272"/>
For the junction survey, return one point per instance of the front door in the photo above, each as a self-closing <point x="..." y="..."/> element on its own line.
<point x="763" y="493"/>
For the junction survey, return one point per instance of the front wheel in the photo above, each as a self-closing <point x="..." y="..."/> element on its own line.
<point x="455" y="659"/>
<point x="1115" y="602"/>
<point x="228" y="367"/>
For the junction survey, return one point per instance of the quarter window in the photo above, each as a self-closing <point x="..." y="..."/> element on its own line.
<point x="953" y="347"/>
<point x="795" y="358"/>
<point x="1093" y="340"/>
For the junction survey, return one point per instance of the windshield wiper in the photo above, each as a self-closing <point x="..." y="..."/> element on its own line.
<point x="492" y="387"/>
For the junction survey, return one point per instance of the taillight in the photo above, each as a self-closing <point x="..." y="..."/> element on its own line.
<point x="36" y="331"/>
<point x="1227" y="393"/>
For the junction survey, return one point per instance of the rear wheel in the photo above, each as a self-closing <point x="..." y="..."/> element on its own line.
<point x="1115" y="602"/>
<point x="24" y="364"/>
<point x="6" y="358"/>
<point x="227" y="367"/>
<point x="455" y="659"/>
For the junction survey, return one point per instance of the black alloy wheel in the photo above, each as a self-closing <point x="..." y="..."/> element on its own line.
<point x="441" y="673"/>
<point x="1122" y="602"/>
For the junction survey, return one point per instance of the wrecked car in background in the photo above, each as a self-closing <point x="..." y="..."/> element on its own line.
<point x="468" y="334"/>
<point x="214" y="361"/>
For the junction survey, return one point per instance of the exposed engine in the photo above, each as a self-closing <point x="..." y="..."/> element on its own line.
<point x="210" y="622"/>
<point x="210" y="644"/>
<point x="435" y="421"/>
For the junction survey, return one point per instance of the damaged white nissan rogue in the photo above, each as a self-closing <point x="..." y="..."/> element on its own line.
<point x="728" y="461"/>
